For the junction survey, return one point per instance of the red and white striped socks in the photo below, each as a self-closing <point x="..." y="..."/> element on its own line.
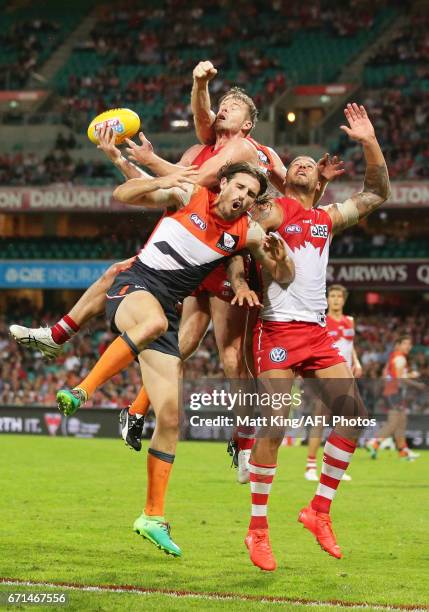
<point x="261" y="478"/>
<point x="311" y="463"/>
<point x="245" y="437"/>
<point x="64" y="329"/>
<point x="337" y="455"/>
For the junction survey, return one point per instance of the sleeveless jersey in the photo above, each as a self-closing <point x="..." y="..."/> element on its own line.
<point x="307" y="234"/>
<point x="342" y="333"/>
<point x="392" y="386"/>
<point x="186" y="245"/>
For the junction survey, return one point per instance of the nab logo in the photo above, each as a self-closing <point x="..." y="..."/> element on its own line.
<point x="227" y="242"/>
<point x="319" y="231"/>
<point x="278" y="354"/>
<point x="198" y="222"/>
<point x="293" y="229"/>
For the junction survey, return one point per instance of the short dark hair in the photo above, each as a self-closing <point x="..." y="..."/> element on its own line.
<point x="230" y="170"/>
<point x="403" y="337"/>
<point x="240" y="94"/>
<point x="339" y="288"/>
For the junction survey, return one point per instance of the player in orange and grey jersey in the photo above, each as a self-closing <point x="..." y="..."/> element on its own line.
<point x="341" y="330"/>
<point x="397" y="380"/>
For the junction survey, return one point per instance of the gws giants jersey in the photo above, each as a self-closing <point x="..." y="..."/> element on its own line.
<point x="188" y="244"/>
<point x="342" y="333"/>
<point x="307" y="234"/>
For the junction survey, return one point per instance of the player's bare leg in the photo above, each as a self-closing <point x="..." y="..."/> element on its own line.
<point x="162" y="373"/>
<point x="263" y="464"/>
<point x="50" y="340"/>
<point x="141" y="318"/>
<point x="229" y="325"/>
<point x="341" y="397"/>
<point x="193" y="324"/>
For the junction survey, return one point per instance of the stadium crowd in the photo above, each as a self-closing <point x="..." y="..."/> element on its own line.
<point x="397" y="97"/>
<point x="25" y="378"/>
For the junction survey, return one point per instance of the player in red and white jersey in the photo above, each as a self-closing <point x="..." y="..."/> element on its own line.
<point x="291" y="336"/>
<point x="341" y="330"/>
<point x="398" y="378"/>
<point x="141" y="305"/>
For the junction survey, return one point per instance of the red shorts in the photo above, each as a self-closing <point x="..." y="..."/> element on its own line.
<point x="297" y="345"/>
<point x="217" y="284"/>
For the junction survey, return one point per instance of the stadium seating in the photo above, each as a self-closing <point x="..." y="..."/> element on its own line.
<point x="128" y="48"/>
<point x="30" y="33"/>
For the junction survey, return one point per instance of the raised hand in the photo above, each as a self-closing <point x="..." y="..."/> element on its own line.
<point x="181" y="178"/>
<point x="330" y="167"/>
<point x="360" y="127"/>
<point x="204" y="72"/>
<point x="275" y="247"/>
<point x="139" y="153"/>
<point x="106" y="143"/>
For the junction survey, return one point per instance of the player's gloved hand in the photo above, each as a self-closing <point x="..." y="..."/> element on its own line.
<point x="244" y="295"/>
<point x="204" y="72"/>
<point x="330" y="167"/>
<point x="141" y="154"/>
<point x="106" y="143"/>
<point x="181" y="178"/>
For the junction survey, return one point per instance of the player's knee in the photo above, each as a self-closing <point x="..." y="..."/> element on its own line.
<point x="168" y="418"/>
<point x="145" y="333"/>
<point x="232" y="362"/>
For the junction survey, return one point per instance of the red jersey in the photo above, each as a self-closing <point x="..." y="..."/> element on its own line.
<point x="396" y="358"/>
<point x="342" y="332"/>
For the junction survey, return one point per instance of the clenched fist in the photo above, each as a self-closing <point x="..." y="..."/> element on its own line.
<point x="204" y="72"/>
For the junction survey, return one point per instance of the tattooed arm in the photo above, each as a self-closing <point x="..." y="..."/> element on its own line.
<point x="376" y="187"/>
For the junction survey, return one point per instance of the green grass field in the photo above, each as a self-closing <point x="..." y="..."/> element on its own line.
<point x="68" y="505"/>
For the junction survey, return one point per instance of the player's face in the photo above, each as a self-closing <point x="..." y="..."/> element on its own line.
<point x="336" y="301"/>
<point x="233" y="116"/>
<point x="405" y="346"/>
<point x="237" y="195"/>
<point x="302" y="173"/>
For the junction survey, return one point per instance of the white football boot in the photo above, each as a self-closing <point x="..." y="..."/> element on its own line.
<point x="311" y="475"/>
<point x="243" y="474"/>
<point x="37" y="338"/>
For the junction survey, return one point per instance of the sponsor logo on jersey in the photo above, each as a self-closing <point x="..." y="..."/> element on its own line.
<point x="293" y="229"/>
<point x="307" y="221"/>
<point x="227" y="242"/>
<point x="278" y="354"/>
<point x="198" y="221"/>
<point x="319" y="231"/>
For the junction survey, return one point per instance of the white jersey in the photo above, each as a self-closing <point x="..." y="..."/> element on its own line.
<point x="307" y="234"/>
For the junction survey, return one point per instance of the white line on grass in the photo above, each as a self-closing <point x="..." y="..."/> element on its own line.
<point x="105" y="588"/>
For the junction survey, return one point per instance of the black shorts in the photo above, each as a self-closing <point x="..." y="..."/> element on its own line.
<point x="141" y="278"/>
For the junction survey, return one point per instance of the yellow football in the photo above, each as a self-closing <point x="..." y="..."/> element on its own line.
<point x="123" y="121"/>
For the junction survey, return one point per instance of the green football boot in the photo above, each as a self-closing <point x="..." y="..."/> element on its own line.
<point x="70" y="400"/>
<point x="157" y="531"/>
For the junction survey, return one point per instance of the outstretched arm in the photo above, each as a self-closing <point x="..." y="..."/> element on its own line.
<point x="106" y="143"/>
<point x="172" y="190"/>
<point x="237" y="150"/>
<point x="270" y="251"/>
<point x="204" y="117"/>
<point x="376" y="187"/>
<point x="236" y="274"/>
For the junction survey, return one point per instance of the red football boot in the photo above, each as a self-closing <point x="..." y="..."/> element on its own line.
<point x="319" y="524"/>
<point x="258" y="544"/>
